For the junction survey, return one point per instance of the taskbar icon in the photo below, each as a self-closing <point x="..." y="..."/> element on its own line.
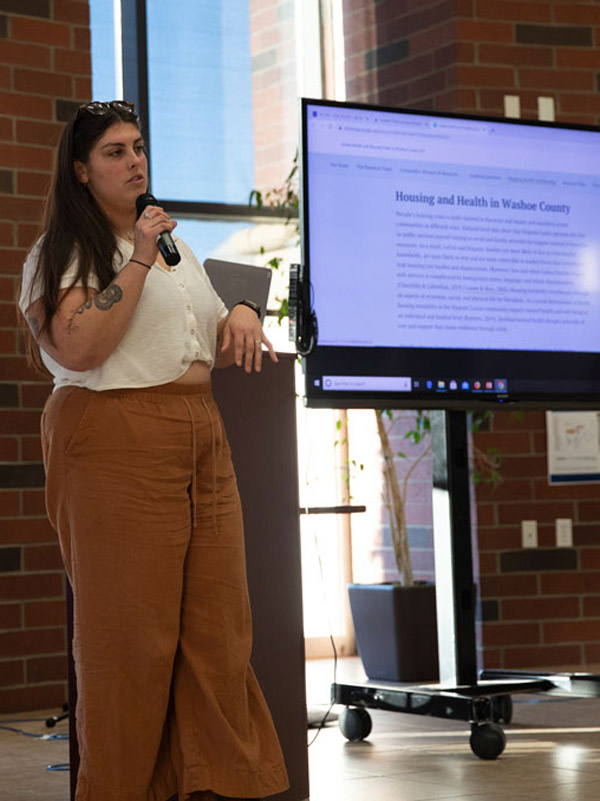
<point x="469" y="385"/>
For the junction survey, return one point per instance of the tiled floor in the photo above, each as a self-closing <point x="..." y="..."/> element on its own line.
<point x="552" y="754"/>
<point x="24" y="760"/>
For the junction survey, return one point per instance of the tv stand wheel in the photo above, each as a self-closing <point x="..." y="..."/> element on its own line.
<point x="502" y="709"/>
<point x="487" y="740"/>
<point x="355" y="724"/>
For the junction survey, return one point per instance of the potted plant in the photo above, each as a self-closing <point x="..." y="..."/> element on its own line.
<point x="395" y="622"/>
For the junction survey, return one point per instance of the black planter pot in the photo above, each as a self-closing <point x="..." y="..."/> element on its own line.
<point x="396" y="631"/>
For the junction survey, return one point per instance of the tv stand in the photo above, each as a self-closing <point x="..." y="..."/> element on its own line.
<point x="463" y="693"/>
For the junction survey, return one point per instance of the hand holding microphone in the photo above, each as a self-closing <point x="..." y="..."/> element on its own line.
<point x="164" y="240"/>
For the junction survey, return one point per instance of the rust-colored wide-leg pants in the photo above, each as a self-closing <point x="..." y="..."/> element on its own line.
<point x="141" y="490"/>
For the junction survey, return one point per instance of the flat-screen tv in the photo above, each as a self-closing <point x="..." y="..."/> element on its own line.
<point x="452" y="260"/>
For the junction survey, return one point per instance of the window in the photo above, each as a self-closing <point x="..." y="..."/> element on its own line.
<point x="200" y="87"/>
<point x="107" y="74"/>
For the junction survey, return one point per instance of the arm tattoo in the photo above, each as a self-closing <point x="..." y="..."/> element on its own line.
<point x="107" y="299"/>
<point x="102" y="301"/>
<point x="85" y="306"/>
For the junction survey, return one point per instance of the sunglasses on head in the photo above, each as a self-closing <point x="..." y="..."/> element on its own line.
<point x="98" y="107"/>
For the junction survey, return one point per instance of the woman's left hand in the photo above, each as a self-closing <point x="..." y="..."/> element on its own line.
<point x="242" y="338"/>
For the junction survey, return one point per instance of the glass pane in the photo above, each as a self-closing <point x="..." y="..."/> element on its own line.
<point x="200" y="100"/>
<point x="372" y="550"/>
<point x="323" y="585"/>
<point x="249" y="243"/>
<point x="372" y="554"/>
<point x="104" y="74"/>
<point x="323" y="582"/>
<point x="212" y="238"/>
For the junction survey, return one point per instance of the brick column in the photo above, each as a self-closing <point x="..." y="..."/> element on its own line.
<point x="44" y="74"/>
<point x="274" y="93"/>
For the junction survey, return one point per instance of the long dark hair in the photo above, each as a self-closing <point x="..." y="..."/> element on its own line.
<point x="73" y="224"/>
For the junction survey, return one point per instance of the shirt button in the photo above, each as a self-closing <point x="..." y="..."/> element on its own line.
<point x="196" y="353"/>
<point x="181" y="286"/>
<point x="192" y="331"/>
<point x="188" y="308"/>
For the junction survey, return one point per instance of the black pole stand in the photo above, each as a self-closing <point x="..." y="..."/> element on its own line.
<point x="455" y="590"/>
<point x="459" y="695"/>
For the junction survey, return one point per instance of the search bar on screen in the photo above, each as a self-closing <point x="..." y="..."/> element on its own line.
<point x="370" y="383"/>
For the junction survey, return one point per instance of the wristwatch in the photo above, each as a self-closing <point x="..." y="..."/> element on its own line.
<point x="251" y="305"/>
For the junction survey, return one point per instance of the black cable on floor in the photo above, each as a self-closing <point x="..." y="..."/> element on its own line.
<point x="335" y="653"/>
<point x="57" y="767"/>
<point x="36" y="736"/>
<point x="331" y="705"/>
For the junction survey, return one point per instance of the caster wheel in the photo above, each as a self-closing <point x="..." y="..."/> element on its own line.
<point x="355" y="724"/>
<point x="502" y="708"/>
<point x="487" y="741"/>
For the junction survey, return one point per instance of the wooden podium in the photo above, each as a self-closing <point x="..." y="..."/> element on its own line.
<point x="259" y="411"/>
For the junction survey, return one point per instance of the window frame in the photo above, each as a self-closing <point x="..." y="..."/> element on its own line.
<point x="136" y="89"/>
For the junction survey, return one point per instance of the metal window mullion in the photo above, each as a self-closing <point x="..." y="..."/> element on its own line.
<point x="135" y="62"/>
<point x="136" y="89"/>
<point x="226" y="211"/>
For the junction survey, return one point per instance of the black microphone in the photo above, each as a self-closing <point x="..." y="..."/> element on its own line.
<point x="164" y="241"/>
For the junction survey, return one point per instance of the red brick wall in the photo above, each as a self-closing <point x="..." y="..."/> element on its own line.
<point x="274" y="92"/>
<point x="44" y="74"/>
<point x="404" y="53"/>
<point x="465" y="55"/>
<point x="541" y="607"/>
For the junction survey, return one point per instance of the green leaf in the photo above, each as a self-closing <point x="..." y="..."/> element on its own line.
<point x="283" y="310"/>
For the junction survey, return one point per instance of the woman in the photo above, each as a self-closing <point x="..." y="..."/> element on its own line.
<point x="140" y="486"/>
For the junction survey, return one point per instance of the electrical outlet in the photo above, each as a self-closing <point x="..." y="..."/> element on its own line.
<point x="564" y="532"/>
<point x="529" y="533"/>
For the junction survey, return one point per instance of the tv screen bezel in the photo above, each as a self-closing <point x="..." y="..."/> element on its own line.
<point x="426" y="400"/>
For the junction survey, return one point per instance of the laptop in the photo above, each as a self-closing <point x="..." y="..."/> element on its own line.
<point x="234" y="282"/>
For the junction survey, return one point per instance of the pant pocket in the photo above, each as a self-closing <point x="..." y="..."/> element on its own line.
<point x="63" y="417"/>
